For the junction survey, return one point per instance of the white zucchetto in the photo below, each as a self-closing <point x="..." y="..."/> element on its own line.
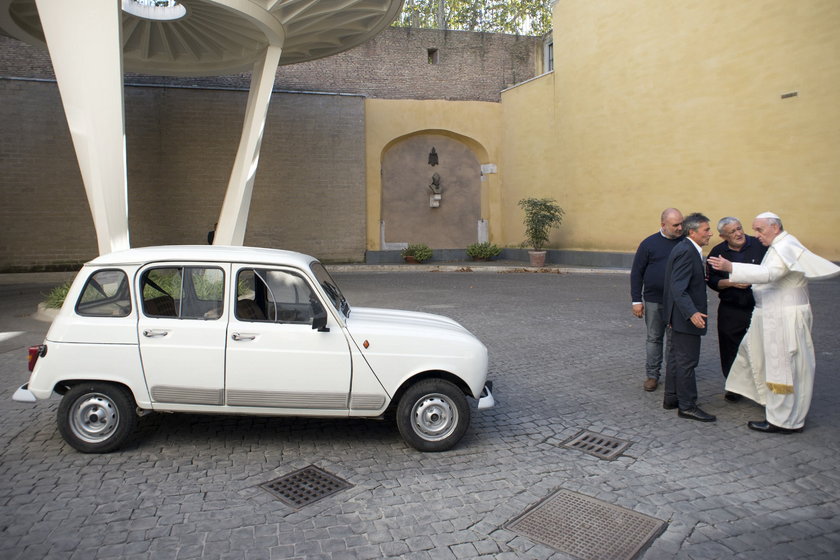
<point x="770" y="215"/>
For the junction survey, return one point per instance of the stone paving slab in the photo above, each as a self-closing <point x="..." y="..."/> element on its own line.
<point x="566" y="355"/>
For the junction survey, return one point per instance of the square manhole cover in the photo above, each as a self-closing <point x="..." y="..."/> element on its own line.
<point x="599" y="445"/>
<point x="587" y="528"/>
<point x="305" y="486"/>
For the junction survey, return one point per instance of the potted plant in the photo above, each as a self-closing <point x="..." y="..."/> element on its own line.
<point x="416" y="253"/>
<point x="483" y="251"/>
<point x="541" y="214"/>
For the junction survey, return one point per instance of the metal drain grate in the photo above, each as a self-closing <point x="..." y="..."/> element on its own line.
<point x="305" y="486"/>
<point x="587" y="528"/>
<point x="603" y="447"/>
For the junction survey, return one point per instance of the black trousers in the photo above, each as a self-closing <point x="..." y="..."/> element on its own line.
<point x="683" y="357"/>
<point x="732" y="325"/>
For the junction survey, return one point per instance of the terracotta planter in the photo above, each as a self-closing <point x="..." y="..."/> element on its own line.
<point x="410" y="259"/>
<point x="537" y="258"/>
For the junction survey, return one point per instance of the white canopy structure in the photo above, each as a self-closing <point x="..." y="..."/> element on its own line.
<point x="92" y="42"/>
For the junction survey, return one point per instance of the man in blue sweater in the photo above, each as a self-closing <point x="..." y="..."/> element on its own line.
<point x="647" y="279"/>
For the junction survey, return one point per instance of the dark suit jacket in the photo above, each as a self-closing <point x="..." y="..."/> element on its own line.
<point x="685" y="288"/>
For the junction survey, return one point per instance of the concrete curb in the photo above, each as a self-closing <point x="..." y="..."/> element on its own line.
<point x="44" y="313"/>
<point x="471" y="267"/>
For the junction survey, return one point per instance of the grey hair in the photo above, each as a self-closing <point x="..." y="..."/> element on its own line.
<point x="693" y="221"/>
<point x="725" y="222"/>
<point x="776" y="221"/>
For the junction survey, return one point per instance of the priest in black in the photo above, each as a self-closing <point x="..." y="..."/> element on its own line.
<point x="736" y="300"/>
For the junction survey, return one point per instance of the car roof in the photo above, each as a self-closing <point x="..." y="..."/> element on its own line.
<point x="202" y="253"/>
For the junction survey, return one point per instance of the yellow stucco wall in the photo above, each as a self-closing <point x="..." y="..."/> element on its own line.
<point x="476" y="124"/>
<point x="529" y="156"/>
<point x="679" y="104"/>
<point x="653" y="105"/>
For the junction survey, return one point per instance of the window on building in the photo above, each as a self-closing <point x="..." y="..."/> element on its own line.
<point x="434" y="56"/>
<point x="548" y="56"/>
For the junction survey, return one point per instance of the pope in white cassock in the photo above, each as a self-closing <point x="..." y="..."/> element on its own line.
<point x="775" y="363"/>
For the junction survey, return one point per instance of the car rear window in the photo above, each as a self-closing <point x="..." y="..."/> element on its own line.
<point x="105" y="295"/>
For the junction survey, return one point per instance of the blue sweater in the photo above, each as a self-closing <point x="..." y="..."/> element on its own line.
<point x="647" y="276"/>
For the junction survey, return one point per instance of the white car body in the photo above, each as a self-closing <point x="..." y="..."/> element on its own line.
<point x="244" y="333"/>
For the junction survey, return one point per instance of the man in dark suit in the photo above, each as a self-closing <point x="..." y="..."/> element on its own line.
<point x="685" y="310"/>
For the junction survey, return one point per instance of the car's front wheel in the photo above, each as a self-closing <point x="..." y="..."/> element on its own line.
<point x="96" y="417"/>
<point x="433" y="415"/>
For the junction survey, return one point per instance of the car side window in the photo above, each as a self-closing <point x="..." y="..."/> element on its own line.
<point x="278" y="296"/>
<point x="105" y="294"/>
<point x="205" y="293"/>
<point x="190" y="292"/>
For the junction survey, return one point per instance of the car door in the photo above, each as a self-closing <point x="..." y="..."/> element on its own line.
<point x="182" y="328"/>
<point x="275" y="359"/>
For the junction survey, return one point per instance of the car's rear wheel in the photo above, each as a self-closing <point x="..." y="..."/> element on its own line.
<point x="433" y="415"/>
<point x="96" y="417"/>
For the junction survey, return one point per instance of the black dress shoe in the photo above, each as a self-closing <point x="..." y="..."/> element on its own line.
<point x="669" y="405"/>
<point x="696" y="414"/>
<point x="767" y="427"/>
<point x="732" y="397"/>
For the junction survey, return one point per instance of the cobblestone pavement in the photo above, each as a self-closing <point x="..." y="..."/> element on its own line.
<point x="566" y="355"/>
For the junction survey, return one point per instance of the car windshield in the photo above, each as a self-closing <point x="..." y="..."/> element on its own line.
<point x="331" y="288"/>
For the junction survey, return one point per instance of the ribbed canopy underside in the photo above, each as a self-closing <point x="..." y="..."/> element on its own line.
<point x="224" y="36"/>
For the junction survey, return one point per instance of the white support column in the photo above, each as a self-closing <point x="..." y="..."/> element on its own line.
<point x="86" y="51"/>
<point x="233" y="219"/>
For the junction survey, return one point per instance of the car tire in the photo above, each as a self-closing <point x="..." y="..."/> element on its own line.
<point x="96" y="417"/>
<point x="433" y="415"/>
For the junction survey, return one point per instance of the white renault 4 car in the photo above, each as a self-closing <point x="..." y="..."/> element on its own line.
<point x="238" y="330"/>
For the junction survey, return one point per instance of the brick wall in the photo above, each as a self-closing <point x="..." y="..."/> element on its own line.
<point x="392" y="65"/>
<point x="395" y="65"/>
<point x="308" y="193"/>
<point x="45" y="220"/>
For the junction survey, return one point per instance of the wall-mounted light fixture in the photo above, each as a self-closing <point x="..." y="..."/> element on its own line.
<point x="433" y="157"/>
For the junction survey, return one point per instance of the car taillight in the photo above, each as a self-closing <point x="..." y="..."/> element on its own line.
<point x="36" y="352"/>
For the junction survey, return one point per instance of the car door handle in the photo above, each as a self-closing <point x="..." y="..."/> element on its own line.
<point x="238" y="336"/>
<point x="153" y="333"/>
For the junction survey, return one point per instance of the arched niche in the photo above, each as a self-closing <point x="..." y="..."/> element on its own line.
<point x="411" y="175"/>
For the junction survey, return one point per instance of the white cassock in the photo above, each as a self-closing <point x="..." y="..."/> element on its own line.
<point x="775" y="363"/>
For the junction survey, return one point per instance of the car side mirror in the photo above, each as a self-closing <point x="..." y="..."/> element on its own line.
<point x="319" y="317"/>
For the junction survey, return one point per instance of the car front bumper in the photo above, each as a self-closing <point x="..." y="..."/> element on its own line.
<point x="486" y="399"/>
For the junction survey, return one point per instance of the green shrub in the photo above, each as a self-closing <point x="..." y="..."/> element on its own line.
<point x="541" y="214"/>
<point x="419" y="251"/>
<point x="55" y="297"/>
<point x="484" y="250"/>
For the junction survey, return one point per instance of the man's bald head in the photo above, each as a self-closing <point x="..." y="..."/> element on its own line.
<point x="671" y="221"/>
